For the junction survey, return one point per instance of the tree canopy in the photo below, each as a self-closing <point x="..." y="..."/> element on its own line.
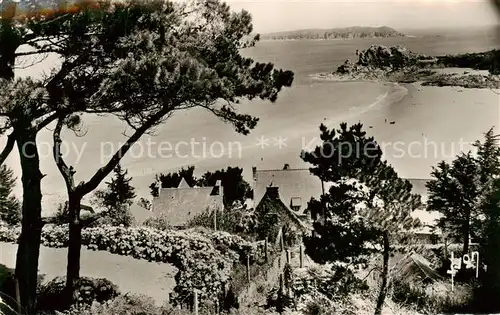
<point x="138" y="60"/>
<point x="368" y="203"/>
<point x="10" y="208"/>
<point x="235" y="187"/>
<point x="456" y="188"/>
<point x="117" y="198"/>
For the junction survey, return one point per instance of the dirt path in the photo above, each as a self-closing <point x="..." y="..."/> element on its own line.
<point x="130" y="275"/>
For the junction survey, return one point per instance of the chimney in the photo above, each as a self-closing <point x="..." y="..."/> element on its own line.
<point x="273" y="192"/>
<point x="254" y="173"/>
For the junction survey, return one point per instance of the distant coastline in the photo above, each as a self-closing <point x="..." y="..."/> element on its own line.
<point x="346" y="33"/>
<point x="325" y="39"/>
<point x="396" y="64"/>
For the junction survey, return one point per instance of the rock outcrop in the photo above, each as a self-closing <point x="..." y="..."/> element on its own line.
<point x="398" y="64"/>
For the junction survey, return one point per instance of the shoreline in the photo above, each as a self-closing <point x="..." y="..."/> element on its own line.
<point x="467" y="80"/>
<point x="331" y="39"/>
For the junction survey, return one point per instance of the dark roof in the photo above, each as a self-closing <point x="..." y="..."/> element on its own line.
<point x="292" y="183"/>
<point x="180" y="205"/>
<point x="139" y="213"/>
<point x="274" y="203"/>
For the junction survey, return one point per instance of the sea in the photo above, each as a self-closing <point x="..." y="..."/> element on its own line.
<point x="416" y="126"/>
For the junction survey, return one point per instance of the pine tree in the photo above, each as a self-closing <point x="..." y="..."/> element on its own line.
<point x="235" y="187"/>
<point x="489" y="205"/>
<point x="118" y="197"/>
<point x="452" y="192"/>
<point x="457" y="186"/>
<point x="10" y="208"/>
<point x="367" y="203"/>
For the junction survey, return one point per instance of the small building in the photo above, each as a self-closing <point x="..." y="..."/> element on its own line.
<point x="272" y="202"/>
<point x="296" y="187"/>
<point x="180" y="205"/>
<point x="140" y="214"/>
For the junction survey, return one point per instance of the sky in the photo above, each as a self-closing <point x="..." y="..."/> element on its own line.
<point x="284" y="15"/>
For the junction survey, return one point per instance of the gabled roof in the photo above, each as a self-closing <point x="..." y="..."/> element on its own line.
<point x="183" y="184"/>
<point x="275" y="203"/>
<point x="292" y="183"/>
<point x="179" y="205"/>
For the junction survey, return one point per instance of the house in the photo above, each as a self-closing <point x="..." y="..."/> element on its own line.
<point x="296" y="187"/>
<point x="272" y="202"/>
<point x="180" y="205"/>
<point x="140" y="214"/>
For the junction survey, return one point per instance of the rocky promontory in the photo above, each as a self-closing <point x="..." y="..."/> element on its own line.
<point x="397" y="64"/>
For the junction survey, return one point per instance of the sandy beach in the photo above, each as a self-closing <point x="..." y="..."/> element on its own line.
<point x="430" y="124"/>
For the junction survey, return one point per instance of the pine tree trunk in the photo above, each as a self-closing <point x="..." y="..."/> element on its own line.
<point x="74" y="249"/>
<point x="28" y="249"/>
<point x="385" y="276"/>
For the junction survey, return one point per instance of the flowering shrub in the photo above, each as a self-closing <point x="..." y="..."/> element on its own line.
<point x="89" y="290"/>
<point x="204" y="260"/>
<point x="9" y="234"/>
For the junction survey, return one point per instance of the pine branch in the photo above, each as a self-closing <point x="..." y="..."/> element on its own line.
<point x="8" y="148"/>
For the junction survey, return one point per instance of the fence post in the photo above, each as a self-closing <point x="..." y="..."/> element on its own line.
<point x="215" y="219"/>
<point x="248" y="268"/>
<point x="195" y="302"/>
<point x="282" y="241"/>
<point x="265" y="249"/>
<point x="301" y="256"/>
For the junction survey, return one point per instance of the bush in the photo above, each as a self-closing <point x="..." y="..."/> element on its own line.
<point x="235" y="221"/>
<point x="6" y="308"/>
<point x="133" y="304"/>
<point x="158" y="223"/>
<point x="89" y="289"/>
<point x="204" y="261"/>
<point x="7" y="286"/>
<point x="335" y="284"/>
<point x="433" y="298"/>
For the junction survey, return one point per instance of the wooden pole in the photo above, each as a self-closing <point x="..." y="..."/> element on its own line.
<point x="282" y="242"/>
<point x="18" y="296"/>
<point x="248" y="268"/>
<point x="265" y="250"/>
<point x="195" y="302"/>
<point x="215" y="219"/>
<point x="301" y="256"/>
